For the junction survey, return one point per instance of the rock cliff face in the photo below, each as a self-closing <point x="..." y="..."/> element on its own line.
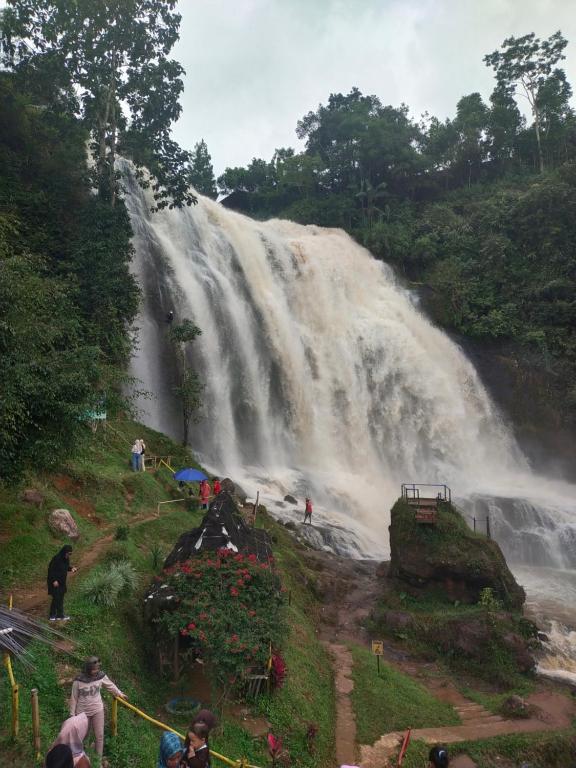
<point x="448" y="559"/>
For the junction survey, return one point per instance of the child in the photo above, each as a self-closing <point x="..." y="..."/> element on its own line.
<point x="196" y="752"/>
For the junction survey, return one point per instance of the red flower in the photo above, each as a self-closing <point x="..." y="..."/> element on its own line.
<point x="184" y="632"/>
<point x="203" y="616"/>
<point x="251" y="613"/>
<point x="234" y="592"/>
<point x="239" y="558"/>
<point x="202" y="636"/>
<point x="191" y="626"/>
<point x="240" y="583"/>
<point x="252" y="558"/>
<point x="274" y="745"/>
<point x="234" y="638"/>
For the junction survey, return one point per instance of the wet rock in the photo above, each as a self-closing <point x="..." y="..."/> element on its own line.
<point x="290" y="499"/>
<point x="32" y="496"/>
<point x="471" y="635"/>
<point x="279" y="504"/>
<point x="61" y="522"/>
<point x="234" y="489"/>
<point x="543" y="637"/>
<point x="290" y="525"/>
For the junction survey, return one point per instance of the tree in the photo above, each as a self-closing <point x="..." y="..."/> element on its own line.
<point x="504" y="125"/>
<point x="202" y="172"/>
<point x="110" y="59"/>
<point x="188" y="389"/>
<point x="529" y="62"/>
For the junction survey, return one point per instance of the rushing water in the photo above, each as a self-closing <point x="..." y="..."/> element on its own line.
<point x="323" y="377"/>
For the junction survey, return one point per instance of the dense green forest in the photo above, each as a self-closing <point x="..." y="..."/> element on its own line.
<point x="75" y="77"/>
<point x="478" y="210"/>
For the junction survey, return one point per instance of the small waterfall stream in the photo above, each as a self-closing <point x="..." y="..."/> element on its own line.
<point x="323" y="377"/>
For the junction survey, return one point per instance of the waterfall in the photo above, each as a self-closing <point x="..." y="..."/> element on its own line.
<point x="322" y="376"/>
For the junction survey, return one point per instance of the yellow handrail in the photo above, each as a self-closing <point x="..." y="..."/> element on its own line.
<point x="14" y="688"/>
<point x="166" y="465"/>
<point x="234" y="763"/>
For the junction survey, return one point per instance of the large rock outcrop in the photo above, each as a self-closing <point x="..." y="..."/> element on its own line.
<point x="448" y="559"/>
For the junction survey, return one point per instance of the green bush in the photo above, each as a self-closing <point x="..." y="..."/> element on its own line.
<point x="107" y="583"/>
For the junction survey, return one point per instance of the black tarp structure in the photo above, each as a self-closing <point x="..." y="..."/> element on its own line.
<point x="222" y="527"/>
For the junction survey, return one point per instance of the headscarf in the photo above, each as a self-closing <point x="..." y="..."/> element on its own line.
<point x="170" y="743"/>
<point x="60" y="756"/>
<point x="73" y="732"/>
<point x="86" y="675"/>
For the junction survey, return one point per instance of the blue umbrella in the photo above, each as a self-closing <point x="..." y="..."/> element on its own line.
<point x="189" y="475"/>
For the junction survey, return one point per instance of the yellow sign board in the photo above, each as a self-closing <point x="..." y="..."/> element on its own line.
<point x="378" y="647"/>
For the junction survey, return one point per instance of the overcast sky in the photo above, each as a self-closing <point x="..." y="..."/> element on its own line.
<point x="255" y="67"/>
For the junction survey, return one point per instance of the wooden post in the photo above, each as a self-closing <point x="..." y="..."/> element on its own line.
<point x="114" y="717"/>
<point x="474" y="524"/>
<point x="488" y="532"/>
<point x="256" y="508"/>
<point x="15" y="711"/>
<point x="378" y="664"/>
<point x="35" y="722"/>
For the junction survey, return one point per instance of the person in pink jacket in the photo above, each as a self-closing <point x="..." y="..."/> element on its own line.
<point x="86" y="698"/>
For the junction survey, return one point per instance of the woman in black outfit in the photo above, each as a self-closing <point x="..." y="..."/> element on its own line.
<point x="56" y="581"/>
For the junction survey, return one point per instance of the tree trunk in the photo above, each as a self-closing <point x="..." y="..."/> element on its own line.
<point x="113" y="129"/>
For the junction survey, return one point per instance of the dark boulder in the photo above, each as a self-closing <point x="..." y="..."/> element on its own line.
<point x="32" y="496"/>
<point x="290" y="499"/>
<point x="448" y="559"/>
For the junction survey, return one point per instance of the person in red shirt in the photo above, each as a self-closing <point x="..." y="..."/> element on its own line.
<point x="204" y="493"/>
<point x="217" y="487"/>
<point x="308" y="511"/>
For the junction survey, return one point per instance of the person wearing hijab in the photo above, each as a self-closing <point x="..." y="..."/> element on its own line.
<point x="86" y="698"/>
<point x="171" y="750"/>
<point x="72" y="735"/>
<point x="56" y="581"/>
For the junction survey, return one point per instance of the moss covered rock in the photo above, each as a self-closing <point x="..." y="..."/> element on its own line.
<point x="448" y="559"/>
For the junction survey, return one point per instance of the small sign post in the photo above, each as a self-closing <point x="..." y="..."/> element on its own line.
<point x="378" y="650"/>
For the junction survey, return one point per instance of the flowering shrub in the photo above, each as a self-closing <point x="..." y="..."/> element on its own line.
<point x="229" y="606"/>
<point x="278" y="670"/>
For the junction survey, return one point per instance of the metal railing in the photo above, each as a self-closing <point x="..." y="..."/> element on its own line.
<point x="412" y="491"/>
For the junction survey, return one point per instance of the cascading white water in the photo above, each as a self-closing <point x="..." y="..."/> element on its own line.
<point x="322" y="376"/>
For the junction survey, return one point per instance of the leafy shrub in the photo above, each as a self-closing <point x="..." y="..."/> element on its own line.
<point x="229" y="609"/>
<point x="107" y="583"/>
<point x="156" y="556"/>
<point x="488" y="601"/>
<point x="122" y="532"/>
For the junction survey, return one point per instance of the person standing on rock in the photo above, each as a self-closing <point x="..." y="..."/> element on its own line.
<point x="86" y="698"/>
<point x="56" y="582"/>
<point x="308" y="511"/>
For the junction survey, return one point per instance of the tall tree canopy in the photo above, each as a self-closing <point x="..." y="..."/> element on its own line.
<point x="107" y="61"/>
<point x="529" y="63"/>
